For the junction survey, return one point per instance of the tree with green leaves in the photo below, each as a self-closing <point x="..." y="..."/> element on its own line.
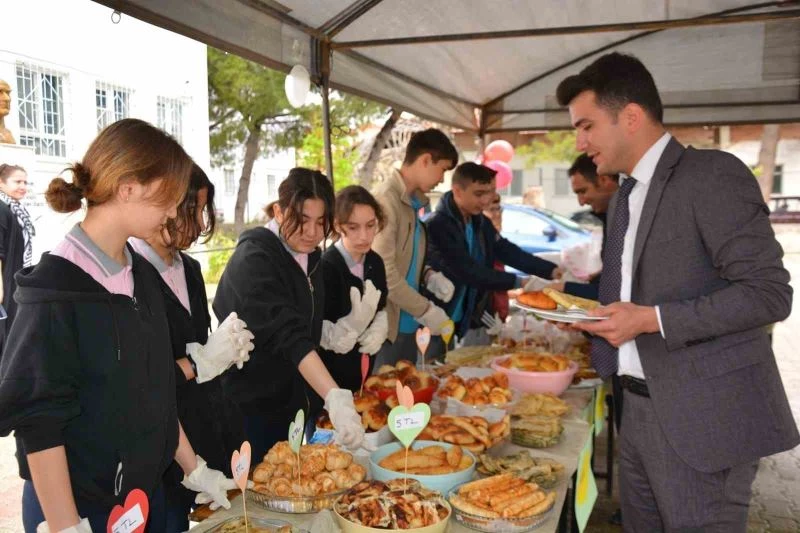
<point x="555" y="147"/>
<point x="247" y="107"/>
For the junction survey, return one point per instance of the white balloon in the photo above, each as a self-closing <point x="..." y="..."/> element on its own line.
<point x="297" y="85"/>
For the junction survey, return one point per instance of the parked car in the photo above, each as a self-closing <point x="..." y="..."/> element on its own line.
<point x="586" y="218"/>
<point x="540" y="231"/>
<point x="784" y="209"/>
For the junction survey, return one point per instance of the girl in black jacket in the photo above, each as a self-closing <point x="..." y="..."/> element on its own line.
<point x="274" y="282"/>
<point x="207" y="417"/>
<point x="87" y="380"/>
<point x="350" y="262"/>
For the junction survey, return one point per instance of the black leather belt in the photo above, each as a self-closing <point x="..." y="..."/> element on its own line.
<point x="635" y="385"/>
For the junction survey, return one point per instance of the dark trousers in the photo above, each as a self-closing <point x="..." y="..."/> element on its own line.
<point x="660" y="492"/>
<point x="32" y="514"/>
<point x="403" y="347"/>
<point x="263" y="434"/>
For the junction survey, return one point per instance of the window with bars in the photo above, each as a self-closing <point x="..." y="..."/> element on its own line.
<point x="170" y="116"/>
<point x="230" y="184"/>
<point x="41" y="110"/>
<point x="272" y="187"/>
<point x="112" y="103"/>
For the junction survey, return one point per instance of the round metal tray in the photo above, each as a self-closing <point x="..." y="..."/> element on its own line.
<point x="295" y="504"/>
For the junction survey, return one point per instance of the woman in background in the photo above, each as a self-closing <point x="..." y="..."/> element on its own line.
<point x="16" y="238"/>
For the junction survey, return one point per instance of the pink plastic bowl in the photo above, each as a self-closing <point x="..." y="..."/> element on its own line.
<point x="552" y="382"/>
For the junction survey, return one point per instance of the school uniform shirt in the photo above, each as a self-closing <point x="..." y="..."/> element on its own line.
<point x="282" y="304"/>
<point x="88" y="366"/>
<point x="207" y="415"/>
<point x="340" y="273"/>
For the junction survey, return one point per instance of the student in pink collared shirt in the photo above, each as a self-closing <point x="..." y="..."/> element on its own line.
<point x="207" y="416"/>
<point x="87" y="381"/>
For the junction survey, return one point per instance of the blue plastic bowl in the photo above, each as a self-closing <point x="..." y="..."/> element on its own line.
<point x="441" y="482"/>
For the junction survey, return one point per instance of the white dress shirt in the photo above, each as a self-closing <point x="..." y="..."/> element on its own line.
<point x="629" y="362"/>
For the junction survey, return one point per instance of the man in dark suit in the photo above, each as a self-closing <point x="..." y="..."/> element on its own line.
<point x="596" y="191"/>
<point x="692" y="273"/>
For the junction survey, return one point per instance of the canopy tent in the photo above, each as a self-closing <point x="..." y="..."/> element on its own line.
<point x="493" y="65"/>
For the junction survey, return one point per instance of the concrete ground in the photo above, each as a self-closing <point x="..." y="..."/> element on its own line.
<point x="775" y="505"/>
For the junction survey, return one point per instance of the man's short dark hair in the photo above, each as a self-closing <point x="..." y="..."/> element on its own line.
<point x="431" y="141"/>
<point x="467" y="173"/>
<point x="617" y="80"/>
<point x="584" y="166"/>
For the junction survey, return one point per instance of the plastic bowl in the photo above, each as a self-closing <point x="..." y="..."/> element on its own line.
<point x="351" y="527"/>
<point x="420" y="395"/>
<point x="551" y="382"/>
<point x="441" y="482"/>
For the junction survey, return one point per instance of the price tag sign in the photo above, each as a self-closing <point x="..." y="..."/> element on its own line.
<point x="296" y="430"/>
<point x="410" y="421"/>
<point x="406" y="424"/>
<point x="423" y="339"/>
<point x="240" y="465"/>
<point x="132" y="517"/>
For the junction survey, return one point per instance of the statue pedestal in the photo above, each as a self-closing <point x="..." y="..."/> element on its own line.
<point x="15" y="154"/>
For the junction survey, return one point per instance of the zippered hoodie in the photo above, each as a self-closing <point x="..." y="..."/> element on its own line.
<point x="448" y="252"/>
<point x="283" y="308"/>
<point x="93" y="372"/>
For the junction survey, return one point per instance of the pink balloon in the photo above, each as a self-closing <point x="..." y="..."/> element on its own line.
<point x="504" y="173"/>
<point x="499" y="151"/>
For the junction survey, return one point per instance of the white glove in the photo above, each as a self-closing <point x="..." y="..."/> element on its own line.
<point x="346" y="421"/>
<point x="583" y="260"/>
<point x="362" y="308"/>
<point x="81" y="527"/>
<point x="497" y="328"/>
<point x="337" y="337"/>
<point x="372" y="339"/>
<point x="212" y="485"/>
<point x="440" y="286"/>
<point x="535" y="283"/>
<point x="435" y="318"/>
<point x="229" y="344"/>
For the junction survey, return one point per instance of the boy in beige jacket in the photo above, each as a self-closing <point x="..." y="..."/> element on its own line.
<point x="403" y="241"/>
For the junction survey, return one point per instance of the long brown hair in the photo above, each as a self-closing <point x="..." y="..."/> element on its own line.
<point x="300" y="185"/>
<point x="130" y="149"/>
<point x="184" y="229"/>
<point x="354" y="195"/>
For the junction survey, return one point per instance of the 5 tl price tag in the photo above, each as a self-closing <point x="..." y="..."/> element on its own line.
<point x="132" y="517"/>
<point x="410" y="421"/>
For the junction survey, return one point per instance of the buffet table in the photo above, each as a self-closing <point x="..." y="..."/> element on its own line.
<point x="577" y="432"/>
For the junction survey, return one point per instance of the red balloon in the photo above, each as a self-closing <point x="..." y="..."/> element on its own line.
<point x="499" y="151"/>
<point x="504" y="173"/>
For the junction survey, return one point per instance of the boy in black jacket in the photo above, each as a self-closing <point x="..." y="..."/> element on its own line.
<point x="463" y="244"/>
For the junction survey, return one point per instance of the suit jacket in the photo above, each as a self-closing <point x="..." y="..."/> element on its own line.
<point x="706" y="254"/>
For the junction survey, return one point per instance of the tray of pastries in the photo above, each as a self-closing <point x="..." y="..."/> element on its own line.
<point x="324" y="473"/>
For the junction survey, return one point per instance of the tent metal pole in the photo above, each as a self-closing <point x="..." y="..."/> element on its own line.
<point x="652" y="25"/>
<point x="325" y="78"/>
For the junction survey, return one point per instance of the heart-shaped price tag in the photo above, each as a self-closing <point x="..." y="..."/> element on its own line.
<point x="404" y="395"/>
<point x="240" y="465"/>
<point x="423" y="339"/>
<point x="132" y="517"/>
<point x="296" y="430"/>
<point x="448" y="328"/>
<point x="406" y="424"/>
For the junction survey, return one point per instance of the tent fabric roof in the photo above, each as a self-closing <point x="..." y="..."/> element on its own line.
<point x="741" y="72"/>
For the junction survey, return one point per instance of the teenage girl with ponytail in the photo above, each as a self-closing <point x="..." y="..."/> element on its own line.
<point x="87" y="381"/>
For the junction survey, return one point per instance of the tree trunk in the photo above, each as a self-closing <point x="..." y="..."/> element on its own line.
<point x="250" y="154"/>
<point x="368" y="168"/>
<point x="766" y="158"/>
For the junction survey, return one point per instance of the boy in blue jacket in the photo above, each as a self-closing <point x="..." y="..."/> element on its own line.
<point x="463" y="245"/>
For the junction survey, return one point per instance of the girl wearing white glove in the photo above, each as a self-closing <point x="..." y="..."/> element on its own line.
<point x="206" y="415"/>
<point x="92" y="334"/>
<point x="274" y="282"/>
<point x="351" y="265"/>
